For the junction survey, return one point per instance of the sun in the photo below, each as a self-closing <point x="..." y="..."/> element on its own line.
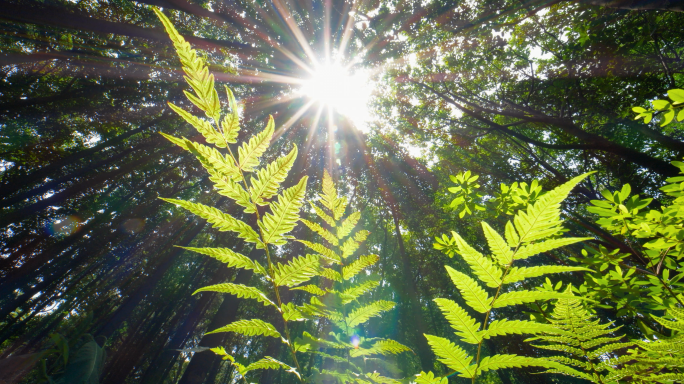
<point x="334" y="87"/>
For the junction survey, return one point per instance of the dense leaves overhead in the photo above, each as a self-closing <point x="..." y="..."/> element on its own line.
<point x="511" y="91"/>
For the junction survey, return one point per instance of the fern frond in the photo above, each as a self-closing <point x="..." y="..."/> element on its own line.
<point x="212" y="160"/>
<point x="322" y="250"/>
<point x="542" y="219"/>
<point x="501" y="251"/>
<point x="361" y="236"/>
<point x="451" y="355"/>
<point x="671" y="325"/>
<point x="220" y="220"/>
<point x="466" y="327"/>
<point x="489" y="273"/>
<point x="324" y="233"/>
<point x="291" y="312"/>
<point x="561" y="347"/>
<point x="329" y="196"/>
<point x="312" y="289"/>
<point x="284" y="214"/>
<point x="179" y="142"/>
<point x="330" y="274"/>
<point x="380" y="347"/>
<point x="297" y="271"/>
<point x="270" y="363"/>
<point x="349" y="247"/>
<point x="495" y="362"/>
<point x="430" y="378"/>
<point x="348" y="225"/>
<point x="508" y="327"/>
<point x="239" y="290"/>
<point x="267" y="180"/>
<point x="331" y="222"/>
<point x="252" y="327"/>
<point x="350" y="294"/>
<point x="360" y="315"/>
<point x="202" y="126"/>
<point x="340" y="207"/>
<point x="363" y="262"/>
<point x="233" y="259"/>
<point x="472" y="293"/>
<point x="512" y="237"/>
<point x="250" y="152"/>
<point x="529" y="250"/>
<point x="522" y="273"/>
<point x="230" y="188"/>
<point x="523" y="296"/>
<point x="608" y="349"/>
<point x="231" y="122"/>
<point x="197" y="73"/>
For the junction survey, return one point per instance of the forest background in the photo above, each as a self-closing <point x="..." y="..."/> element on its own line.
<point x="511" y="90"/>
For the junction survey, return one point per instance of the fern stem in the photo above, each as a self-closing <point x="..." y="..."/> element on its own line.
<point x="271" y="270"/>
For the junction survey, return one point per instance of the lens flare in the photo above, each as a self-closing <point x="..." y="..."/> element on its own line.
<point x="355" y="341"/>
<point x="65" y="226"/>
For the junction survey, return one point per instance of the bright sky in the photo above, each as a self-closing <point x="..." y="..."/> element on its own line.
<point x="347" y="93"/>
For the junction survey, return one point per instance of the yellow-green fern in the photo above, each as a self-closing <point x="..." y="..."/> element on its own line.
<point x="530" y="232"/>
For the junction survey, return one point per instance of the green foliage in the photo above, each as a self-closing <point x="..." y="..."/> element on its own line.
<point x="466" y="194"/>
<point x="648" y="277"/>
<point x="588" y="346"/>
<point x="345" y="305"/>
<point x="61" y="364"/>
<point x="666" y="108"/>
<point x="532" y="231"/>
<point x="660" y="359"/>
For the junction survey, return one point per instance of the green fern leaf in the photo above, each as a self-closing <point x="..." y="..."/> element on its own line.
<point x="269" y="363"/>
<point x="329" y="196"/>
<point x="233" y="190"/>
<point x="523" y="296"/>
<point x="212" y="160"/>
<point x="501" y="251"/>
<point x="608" y="349"/>
<point x="361" y="236"/>
<point x="291" y="312"/>
<point x="466" y="327"/>
<point x="542" y="219"/>
<point x="323" y="215"/>
<point x="512" y="361"/>
<point x="534" y="249"/>
<point x="250" y="152"/>
<point x="509" y="327"/>
<point x="489" y="273"/>
<point x="284" y="214"/>
<point x="268" y="179"/>
<point x="312" y="289"/>
<point x="518" y="274"/>
<point x="231" y="122"/>
<point x="297" y="271"/>
<point x="252" y="327"/>
<point x="472" y="293"/>
<point x="220" y="220"/>
<point x="512" y="237"/>
<point x="233" y="259"/>
<point x="360" y="315"/>
<point x="329" y="237"/>
<point x="350" y="294"/>
<point x="239" y="290"/>
<point x="202" y="126"/>
<point x="340" y="207"/>
<point x="179" y="142"/>
<point x="330" y="274"/>
<point x="350" y="270"/>
<point x="380" y="347"/>
<point x="430" y="378"/>
<point x="323" y="251"/>
<point x="349" y="247"/>
<point x="197" y="73"/>
<point x="452" y="355"/>
<point x="348" y="225"/>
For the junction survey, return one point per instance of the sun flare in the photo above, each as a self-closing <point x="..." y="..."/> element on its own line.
<point x="334" y="87"/>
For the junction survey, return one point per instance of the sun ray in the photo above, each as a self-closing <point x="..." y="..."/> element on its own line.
<point x="292" y="119"/>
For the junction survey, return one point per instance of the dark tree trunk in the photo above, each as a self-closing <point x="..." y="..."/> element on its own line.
<point x="201" y="362"/>
<point x="638" y="5"/>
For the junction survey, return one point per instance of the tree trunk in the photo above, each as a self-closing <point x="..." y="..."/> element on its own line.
<point x="639" y="5"/>
<point x="201" y="362"/>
